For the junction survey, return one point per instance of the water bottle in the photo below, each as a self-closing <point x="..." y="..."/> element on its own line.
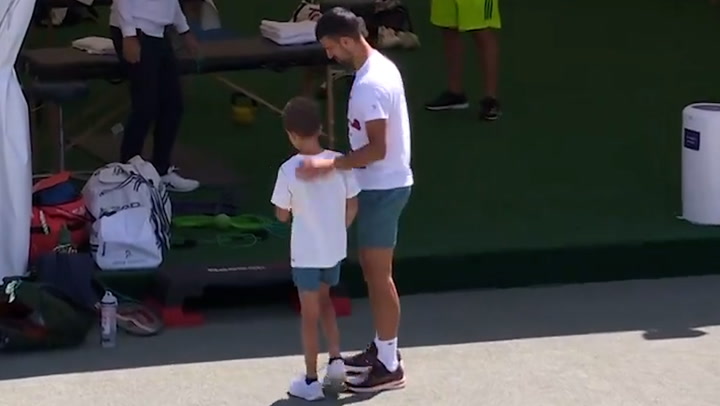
<point x="108" y="320"/>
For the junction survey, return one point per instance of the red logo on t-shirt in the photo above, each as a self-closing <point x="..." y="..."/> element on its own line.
<point x="356" y="125"/>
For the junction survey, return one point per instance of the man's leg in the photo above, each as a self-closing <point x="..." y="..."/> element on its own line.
<point x="482" y="18"/>
<point x="143" y="80"/>
<point x="444" y="14"/>
<point x="377" y="225"/>
<point x="170" y="111"/>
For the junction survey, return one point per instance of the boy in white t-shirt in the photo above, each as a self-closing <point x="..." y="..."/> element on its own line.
<point x="321" y="210"/>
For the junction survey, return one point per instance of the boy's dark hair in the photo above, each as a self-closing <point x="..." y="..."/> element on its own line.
<point x="301" y="116"/>
<point x="339" y="22"/>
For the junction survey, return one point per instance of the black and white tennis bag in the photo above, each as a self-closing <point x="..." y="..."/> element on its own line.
<point x="131" y="213"/>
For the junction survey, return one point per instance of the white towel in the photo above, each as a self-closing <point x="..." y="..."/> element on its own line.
<point x="302" y="27"/>
<point x="284" y="33"/>
<point x="95" y="45"/>
<point x="294" y="40"/>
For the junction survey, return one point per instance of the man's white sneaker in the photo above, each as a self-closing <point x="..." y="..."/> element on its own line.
<point x="176" y="183"/>
<point x="299" y="388"/>
<point x="335" y="375"/>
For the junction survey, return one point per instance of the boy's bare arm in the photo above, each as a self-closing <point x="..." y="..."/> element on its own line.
<point x="351" y="209"/>
<point x="282" y="214"/>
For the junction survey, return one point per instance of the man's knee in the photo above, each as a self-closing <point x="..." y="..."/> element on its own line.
<point x="377" y="264"/>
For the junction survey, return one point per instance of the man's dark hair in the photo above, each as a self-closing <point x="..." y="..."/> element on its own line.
<point x="339" y="22"/>
<point x="301" y="116"/>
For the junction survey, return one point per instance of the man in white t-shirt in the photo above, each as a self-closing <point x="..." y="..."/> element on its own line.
<point x="379" y="131"/>
<point x="321" y="210"/>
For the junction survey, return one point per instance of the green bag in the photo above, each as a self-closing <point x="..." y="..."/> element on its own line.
<point x="32" y="317"/>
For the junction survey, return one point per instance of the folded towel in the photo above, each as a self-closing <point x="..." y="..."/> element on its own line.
<point x="296" y="39"/>
<point x="95" y="45"/>
<point x="286" y="29"/>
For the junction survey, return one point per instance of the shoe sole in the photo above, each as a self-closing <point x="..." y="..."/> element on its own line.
<point x="449" y="107"/>
<point x="491" y="118"/>
<point x="355" y="370"/>
<point x="335" y="385"/>
<point x="305" y="399"/>
<point x="395" y="385"/>
<point x="358" y="370"/>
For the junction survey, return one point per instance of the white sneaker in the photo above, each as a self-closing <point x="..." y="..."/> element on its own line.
<point x="176" y="183"/>
<point x="299" y="388"/>
<point x="335" y="374"/>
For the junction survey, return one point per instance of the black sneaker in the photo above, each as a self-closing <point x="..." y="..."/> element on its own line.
<point x="378" y="379"/>
<point x="490" y="109"/>
<point x="363" y="362"/>
<point x="448" y="101"/>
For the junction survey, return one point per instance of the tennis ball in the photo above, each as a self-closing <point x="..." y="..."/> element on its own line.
<point x="223" y="221"/>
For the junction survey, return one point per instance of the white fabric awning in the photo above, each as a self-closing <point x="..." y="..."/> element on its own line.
<point x="15" y="156"/>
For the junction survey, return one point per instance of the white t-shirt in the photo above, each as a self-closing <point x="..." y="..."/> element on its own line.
<point x="378" y="93"/>
<point x="319" y="232"/>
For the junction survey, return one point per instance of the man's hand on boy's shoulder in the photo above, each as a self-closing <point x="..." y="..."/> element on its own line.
<point x="312" y="168"/>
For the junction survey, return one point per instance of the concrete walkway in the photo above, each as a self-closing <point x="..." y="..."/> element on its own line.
<point x="615" y="344"/>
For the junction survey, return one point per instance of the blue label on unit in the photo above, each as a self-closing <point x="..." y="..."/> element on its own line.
<point x="691" y="139"/>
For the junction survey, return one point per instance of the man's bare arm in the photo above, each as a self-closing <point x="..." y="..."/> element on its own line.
<point x="351" y="209"/>
<point x="282" y="215"/>
<point x="374" y="151"/>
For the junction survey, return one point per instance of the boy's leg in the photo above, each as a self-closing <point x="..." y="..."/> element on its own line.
<point x="330" y="277"/>
<point x="444" y="14"/>
<point x="143" y="78"/>
<point x="335" y="374"/>
<point x="482" y="18"/>
<point x="377" y="226"/>
<point x="307" y="281"/>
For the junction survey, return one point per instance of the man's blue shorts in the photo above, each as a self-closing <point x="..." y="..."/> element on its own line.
<point x="378" y="216"/>
<point x="309" y="279"/>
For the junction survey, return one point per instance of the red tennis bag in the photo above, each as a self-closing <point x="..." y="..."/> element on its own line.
<point x="57" y="204"/>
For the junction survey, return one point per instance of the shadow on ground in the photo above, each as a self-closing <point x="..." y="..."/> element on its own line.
<point x="657" y="309"/>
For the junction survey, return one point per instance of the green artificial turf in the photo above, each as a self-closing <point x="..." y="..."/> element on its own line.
<point x="585" y="155"/>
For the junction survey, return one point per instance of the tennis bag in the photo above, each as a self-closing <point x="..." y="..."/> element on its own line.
<point x="131" y="213"/>
<point x="35" y="316"/>
<point x="57" y="206"/>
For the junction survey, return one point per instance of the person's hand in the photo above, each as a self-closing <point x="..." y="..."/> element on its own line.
<point x="312" y="168"/>
<point x="191" y="45"/>
<point x="131" y="49"/>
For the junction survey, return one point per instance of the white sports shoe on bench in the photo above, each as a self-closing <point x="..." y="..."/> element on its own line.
<point x="176" y="183"/>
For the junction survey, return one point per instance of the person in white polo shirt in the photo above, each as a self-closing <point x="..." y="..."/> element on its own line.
<point x="379" y="131"/>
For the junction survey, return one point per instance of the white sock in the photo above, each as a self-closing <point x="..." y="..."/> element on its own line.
<point x="387" y="353"/>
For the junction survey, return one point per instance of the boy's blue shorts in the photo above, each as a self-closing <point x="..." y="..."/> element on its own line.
<point x="309" y="279"/>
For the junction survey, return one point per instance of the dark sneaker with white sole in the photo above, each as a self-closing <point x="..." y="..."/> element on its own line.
<point x="363" y="362"/>
<point x="490" y="109"/>
<point x="448" y="101"/>
<point x="378" y="379"/>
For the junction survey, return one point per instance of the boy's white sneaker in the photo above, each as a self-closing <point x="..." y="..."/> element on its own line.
<point x="299" y="388"/>
<point x="335" y="374"/>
